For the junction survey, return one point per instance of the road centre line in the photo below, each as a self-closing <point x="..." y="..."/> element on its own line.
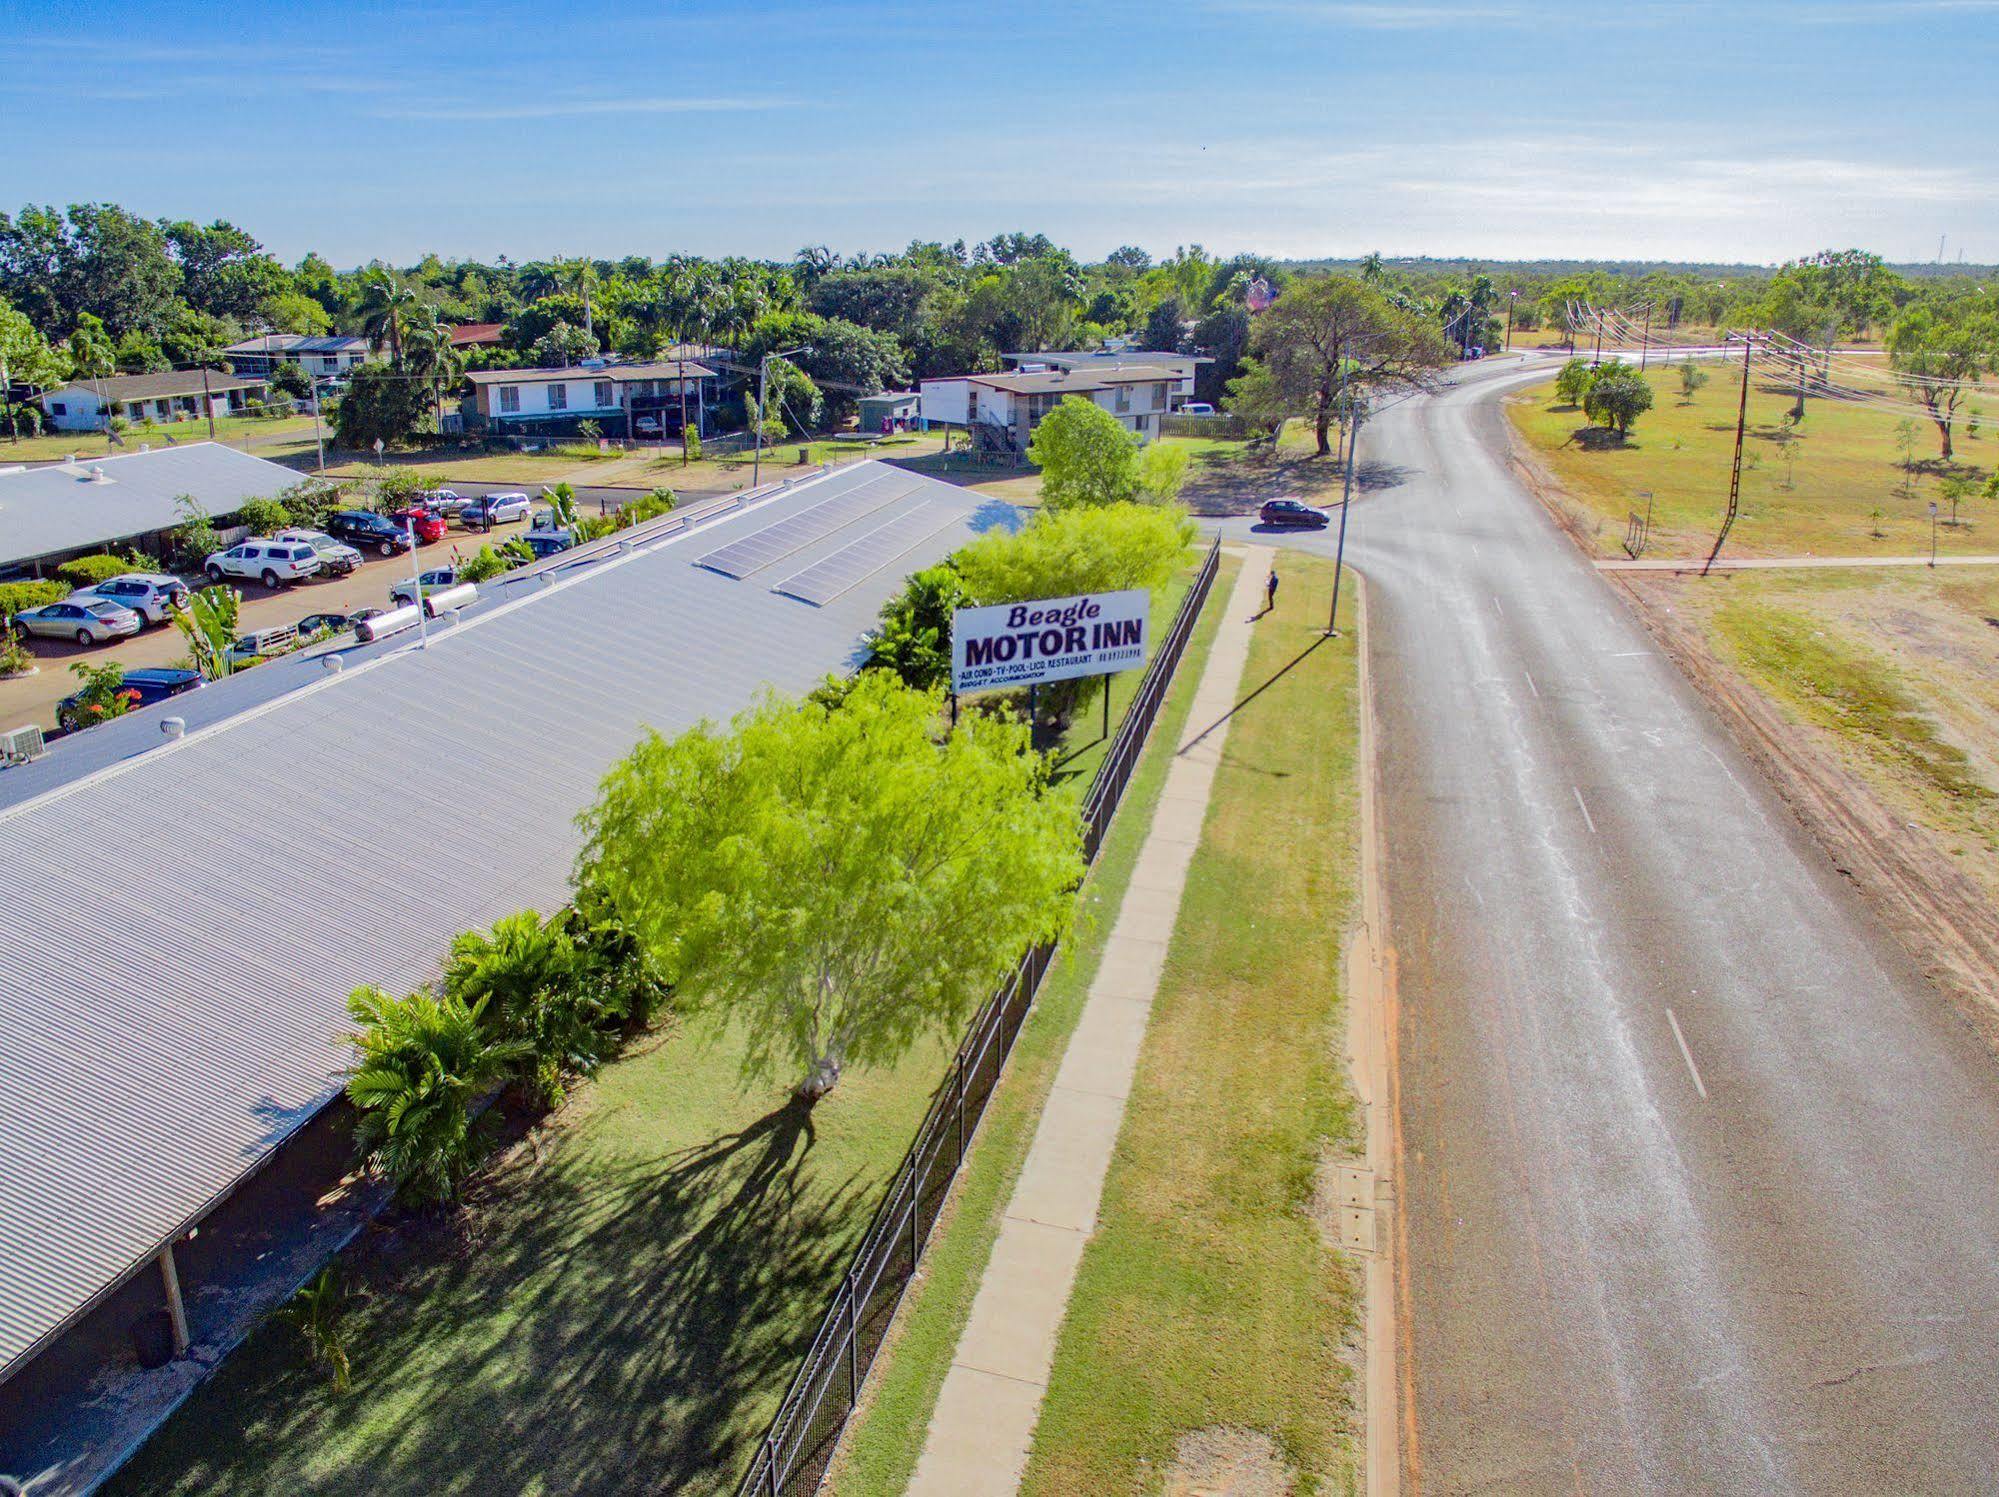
<point x="1530" y="682"/>
<point x="1686" y="1054"/>
<point x="1583" y="806"/>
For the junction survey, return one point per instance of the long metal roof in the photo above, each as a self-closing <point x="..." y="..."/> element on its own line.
<point x="170" y="1018"/>
<point x="68" y="506"/>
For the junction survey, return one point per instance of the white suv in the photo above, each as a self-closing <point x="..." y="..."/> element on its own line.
<point x="153" y="596"/>
<point x="336" y="558"/>
<point x="272" y="563"/>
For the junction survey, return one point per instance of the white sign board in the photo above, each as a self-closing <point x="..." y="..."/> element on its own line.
<point x="1052" y="639"/>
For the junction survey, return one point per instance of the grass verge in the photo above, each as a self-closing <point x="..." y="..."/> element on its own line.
<point x="887" y="1436"/>
<point x="1211" y="1304"/>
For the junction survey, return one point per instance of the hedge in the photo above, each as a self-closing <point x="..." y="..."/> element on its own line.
<point x="15" y="596"/>
<point x="86" y="571"/>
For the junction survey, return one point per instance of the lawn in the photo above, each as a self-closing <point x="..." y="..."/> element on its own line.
<point x="448" y="465"/>
<point x="886" y="1438"/>
<point x="1231" y="477"/>
<point x="629" y="1293"/>
<point x="1837" y="486"/>
<point x="261" y="435"/>
<point x="1212" y="1311"/>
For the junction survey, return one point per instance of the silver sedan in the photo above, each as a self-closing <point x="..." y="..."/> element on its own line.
<point x="88" y="621"/>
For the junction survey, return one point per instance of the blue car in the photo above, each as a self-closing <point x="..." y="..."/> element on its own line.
<point x="147" y="685"/>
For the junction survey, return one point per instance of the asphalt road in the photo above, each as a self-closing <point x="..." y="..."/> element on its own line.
<point x="1701" y="1178"/>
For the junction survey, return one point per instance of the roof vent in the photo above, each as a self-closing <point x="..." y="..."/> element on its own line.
<point x="173" y="727"/>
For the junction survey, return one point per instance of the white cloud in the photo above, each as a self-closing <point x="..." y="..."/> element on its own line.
<point x="577" y="108"/>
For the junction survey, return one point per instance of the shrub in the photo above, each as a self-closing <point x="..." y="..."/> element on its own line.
<point x="87" y="571"/>
<point x="485" y="565"/>
<point x="1616" y="399"/>
<point x="315" y="1313"/>
<point x="595" y="528"/>
<point x="914" y="637"/>
<point x="16" y="596"/>
<point x="519" y="550"/>
<point x="263" y="516"/>
<point x="422" y="1061"/>
<point x="309" y="503"/>
<point x="691" y="440"/>
<point x="1573" y="382"/>
<point x="195" y="538"/>
<point x="655" y="504"/>
<point x="103" y="696"/>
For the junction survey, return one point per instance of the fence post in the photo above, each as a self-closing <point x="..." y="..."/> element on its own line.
<point x="770" y="1462"/>
<point x="853" y="1346"/>
<point x="961" y="1109"/>
<point x="915" y="1217"/>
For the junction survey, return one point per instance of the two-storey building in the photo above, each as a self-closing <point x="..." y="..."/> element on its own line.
<point x="636" y="400"/>
<point x="1002" y="410"/>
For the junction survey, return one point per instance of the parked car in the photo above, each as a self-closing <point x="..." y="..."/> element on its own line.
<point x="262" y="644"/>
<point x="324" y="623"/>
<point x="272" y="563"/>
<point x="336" y="558"/>
<point x="494" y="509"/>
<point x="1293" y="512"/>
<point x="87" y="620"/>
<point x="363" y="528"/>
<point x="148" y="684"/>
<point x="446" y="502"/>
<point x="153" y="596"/>
<point x="647" y="426"/>
<point x="548" y="541"/>
<point x="428" y="525"/>
<point x="1197" y="408"/>
<point x="433" y="581"/>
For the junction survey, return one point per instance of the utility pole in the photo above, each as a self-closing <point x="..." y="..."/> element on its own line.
<point x="1645" y="338"/>
<point x="318" y="433"/>
<point x="1346" y="500"/>
<point x="1735" y="474"/>
<point x="680" y="370"/>
<point x="1933" y="532"/>
<point x="1597" y="357"/>
<point x="6" y="398"/>
<point x="1512" y="300"/>
<point x="763" y="376"/>
<point x="207" y="403"/>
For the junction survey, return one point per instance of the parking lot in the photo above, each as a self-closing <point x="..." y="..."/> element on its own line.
<point x="33" y="699"/>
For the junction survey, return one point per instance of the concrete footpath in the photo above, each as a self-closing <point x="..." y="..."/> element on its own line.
<point x="991" y="1398"/>
<point x="1787" y="563"/>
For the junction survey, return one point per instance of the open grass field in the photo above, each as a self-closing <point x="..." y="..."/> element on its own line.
<point x="451" y="465"/>
<point x="1213" y="1318"/>
<point x="887" y="1437"/>
<point x="1839" y="484"/>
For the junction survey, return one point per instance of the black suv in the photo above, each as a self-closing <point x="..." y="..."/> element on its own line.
<point x="358" y="528"/>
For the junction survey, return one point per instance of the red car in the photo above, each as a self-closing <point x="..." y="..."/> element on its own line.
<point x="428" y="524"/>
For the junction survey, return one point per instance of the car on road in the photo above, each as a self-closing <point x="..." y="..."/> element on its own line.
<point x="336" y="558"/>
<point x="153" y="596"/>
<point x="434" y="581"/>
<point x="428" y="524"/>
<point x="368" y="530"/>
<point x="1293" y="512"/>
<point x="87" y="620"/>
<point x="495" y="509"/>
<point x="147" y="685"/>
<point x="273" y="563"/>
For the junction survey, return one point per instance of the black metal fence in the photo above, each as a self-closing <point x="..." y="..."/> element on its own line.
<point x="794" y="1453"/>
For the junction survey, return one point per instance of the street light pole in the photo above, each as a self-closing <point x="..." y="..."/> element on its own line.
<point x="1933" y="532"/>
<point x="416" y="584"/>
<point x="1346" y="502"/>
<point x="318" y="434"/>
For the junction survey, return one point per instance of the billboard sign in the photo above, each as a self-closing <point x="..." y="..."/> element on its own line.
<point x="1051" y="639"/>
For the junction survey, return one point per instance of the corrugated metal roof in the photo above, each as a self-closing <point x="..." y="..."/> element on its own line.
<point x="153" y="386"/>
<point x="64" y="507"/>
<point x="168" y="1021"/>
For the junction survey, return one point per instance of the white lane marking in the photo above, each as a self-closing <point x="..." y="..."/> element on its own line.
<point x="1495" y="604"/>
<point x="1686" y="1054"/>
<point x="1530" y="682"/>
<point x="1628" y="654"/>
<point x="1585" y="810"/>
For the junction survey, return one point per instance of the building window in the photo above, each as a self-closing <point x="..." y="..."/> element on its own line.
<point x="604" y="401"/>
<point x="1124" y="397"/>
<point x="510" y="399"/>
<point x="57" y="408"/>
<point x="558" y="397"/>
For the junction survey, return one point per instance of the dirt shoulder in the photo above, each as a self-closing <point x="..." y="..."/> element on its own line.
<point x="1926" y="861"/>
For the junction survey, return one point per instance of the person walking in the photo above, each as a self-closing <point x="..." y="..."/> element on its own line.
<point x="1270" y="590"/>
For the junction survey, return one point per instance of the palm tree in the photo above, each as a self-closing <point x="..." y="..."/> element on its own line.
<point x="387" y="306"/>
<point x="422" y="1062"/>
<point x="432" y="355"/>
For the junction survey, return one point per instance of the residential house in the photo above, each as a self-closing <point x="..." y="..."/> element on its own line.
<point x="626" y="400"/>
<point x="477" y="334"/>
<point x="335" y="354"/>
<point x="1112" y="356"/>
<point x="1002" y="410"/>
<point x="179" y="395"/>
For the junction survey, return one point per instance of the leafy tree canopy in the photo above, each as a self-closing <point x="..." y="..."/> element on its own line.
<point x="1085" y="550"/>
<point x="1085" y="455"/>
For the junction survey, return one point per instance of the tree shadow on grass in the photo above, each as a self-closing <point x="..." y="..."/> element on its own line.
<point x="609" y="1326"/>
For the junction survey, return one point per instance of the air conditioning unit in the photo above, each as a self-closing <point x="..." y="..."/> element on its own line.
<point x="19" y="745"/>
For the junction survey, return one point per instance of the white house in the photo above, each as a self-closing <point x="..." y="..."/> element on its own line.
<point x="1182" y="365"/>
<point x="180" y="395"/>
<point x="315" y="355"/>
<point x="624" y="399"/>
<point x="1002" y="410"/>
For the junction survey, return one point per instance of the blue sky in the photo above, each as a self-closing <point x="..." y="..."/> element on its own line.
<point x="1747" y="131"/>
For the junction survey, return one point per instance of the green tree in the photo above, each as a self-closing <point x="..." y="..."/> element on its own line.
<point x="1692" y="377"/>
<point x="833" y="877"/>
<point x="526" y="978"/>
<point x="387" y="304"/>
<point x="380" y="401"/>
<point x="1939" y="350"/>
<point x="263" y="516"/>
<point x="95" y="258"/>
<point x="91" y="352"/>
<point x="1085" y="455"/>
<point x="1324" y="329"/>
<point x="1162" y="473"/>
<point x="1573" y="382"/>
<point x="562" y="345"/>
<point x="1066" y="553"/>
<point x="913" y="638"/>
<point x="421" y="1062"/>
<point x="1617" y="399"/>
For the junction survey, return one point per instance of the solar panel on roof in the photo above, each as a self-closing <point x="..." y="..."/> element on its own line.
<point x="823" y="581"/>
<point x="754" y="552"/>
